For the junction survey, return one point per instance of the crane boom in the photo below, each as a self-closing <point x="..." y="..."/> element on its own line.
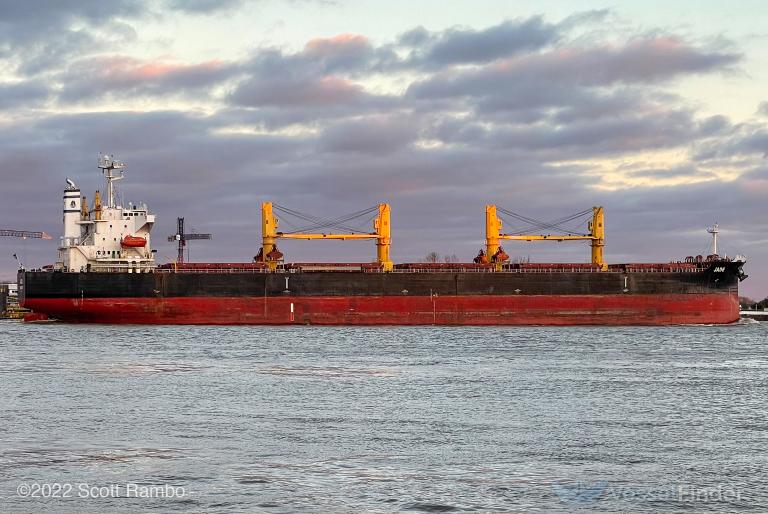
<point x="25" y="234"/>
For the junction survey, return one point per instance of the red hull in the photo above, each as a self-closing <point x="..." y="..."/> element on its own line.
<point x="665" y="309"/>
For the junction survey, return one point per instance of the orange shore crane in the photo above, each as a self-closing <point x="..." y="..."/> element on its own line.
<point x="381" y="233"/>
<point x="25" y="234"/>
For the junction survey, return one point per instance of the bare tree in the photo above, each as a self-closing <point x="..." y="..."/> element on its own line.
<point x="746" y="301"/>
<point x="432" y="257"/>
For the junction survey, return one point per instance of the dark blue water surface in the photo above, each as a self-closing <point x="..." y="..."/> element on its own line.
<point x="425" y="419"/>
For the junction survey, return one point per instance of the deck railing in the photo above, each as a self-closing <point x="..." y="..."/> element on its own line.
<point x="347" y="269"/>
<point x="422" y="271"/>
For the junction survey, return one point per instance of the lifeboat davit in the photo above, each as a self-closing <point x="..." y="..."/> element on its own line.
<point x="133" y="242"/>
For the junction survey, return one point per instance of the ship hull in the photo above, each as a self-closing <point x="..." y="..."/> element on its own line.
<point x="712" y="308"/>
<point x="515" y="297"/>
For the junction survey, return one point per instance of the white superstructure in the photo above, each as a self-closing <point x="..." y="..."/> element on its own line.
<point x="106" y="238"/>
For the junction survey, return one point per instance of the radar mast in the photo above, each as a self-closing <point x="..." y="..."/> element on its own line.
<point x="108" y="165"/>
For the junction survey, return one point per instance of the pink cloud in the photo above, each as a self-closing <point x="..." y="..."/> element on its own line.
<point x="127" y="69"/>
<point x="342" y="43"/>
<point x="102" y="75"/>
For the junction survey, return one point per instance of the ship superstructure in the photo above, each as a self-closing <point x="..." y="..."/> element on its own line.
<point x="109" y="237"/>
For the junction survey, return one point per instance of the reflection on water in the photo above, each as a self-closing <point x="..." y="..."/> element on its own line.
<point x="326" y="371"/>
<point x="124" y="368"/>
<point x="424" y="419"/>
<point x="13" y="458"/>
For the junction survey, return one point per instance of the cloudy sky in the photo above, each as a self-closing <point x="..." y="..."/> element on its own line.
<point x="656" y="110"/>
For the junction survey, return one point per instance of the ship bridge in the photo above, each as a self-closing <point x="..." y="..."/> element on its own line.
<point x="108" y="237"/>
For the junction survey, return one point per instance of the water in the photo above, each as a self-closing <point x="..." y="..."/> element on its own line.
<point x="425" y="419"/>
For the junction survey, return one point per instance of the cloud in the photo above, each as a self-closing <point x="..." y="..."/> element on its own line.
<point x="323" y="73"/>
<point x="685" y="171"/>
<point x="738" y="141"/>
<point x="37" y="35"/>
<point x="645" y="60"/>
<point x="31" y="20"/>
<point x="577" y="139"/>
<point x="28" y="93"/>
<point x="465" y="45"/>
<point x="376" y="134"/>
<point x="203" y="6"/>
<point x="301" y="91"/>
<point x="91" y="78"/>
<point x="342" y="52"/>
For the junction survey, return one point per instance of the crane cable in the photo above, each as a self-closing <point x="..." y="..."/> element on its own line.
<point x="553" y="228"/>
<point x="543" y="224"/>
<point x="321" y="223"/>
<point x="318" y="223"/>
<point x="555" y="225"/>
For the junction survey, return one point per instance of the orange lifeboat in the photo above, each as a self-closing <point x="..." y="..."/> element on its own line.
<point x="133" y="242"/>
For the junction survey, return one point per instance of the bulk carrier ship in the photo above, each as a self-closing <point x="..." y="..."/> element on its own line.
<point x="106" y="273"/>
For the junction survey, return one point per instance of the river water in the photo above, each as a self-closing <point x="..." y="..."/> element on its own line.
<point x="393" y="419"/>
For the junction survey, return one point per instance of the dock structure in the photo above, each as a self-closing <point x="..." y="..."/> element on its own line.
<point x="755" y="315"/>
<point x="9" y="302"/>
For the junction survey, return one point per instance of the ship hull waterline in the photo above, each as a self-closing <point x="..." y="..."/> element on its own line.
<point x="662" y="309"/>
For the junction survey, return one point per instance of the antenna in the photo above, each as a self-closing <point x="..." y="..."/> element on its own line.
<point x="714" y="231"/>
<point x="108" y="165"/>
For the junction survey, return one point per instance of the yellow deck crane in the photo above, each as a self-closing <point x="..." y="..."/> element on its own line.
<point x="596" y="234"/>
<point x="381" y="233"/>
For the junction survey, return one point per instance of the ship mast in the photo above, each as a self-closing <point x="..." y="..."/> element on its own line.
<point x="714" y="231"/>
<point x="108" y="165"/>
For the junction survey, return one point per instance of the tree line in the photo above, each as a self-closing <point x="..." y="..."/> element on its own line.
<point x="748" y="303"/>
